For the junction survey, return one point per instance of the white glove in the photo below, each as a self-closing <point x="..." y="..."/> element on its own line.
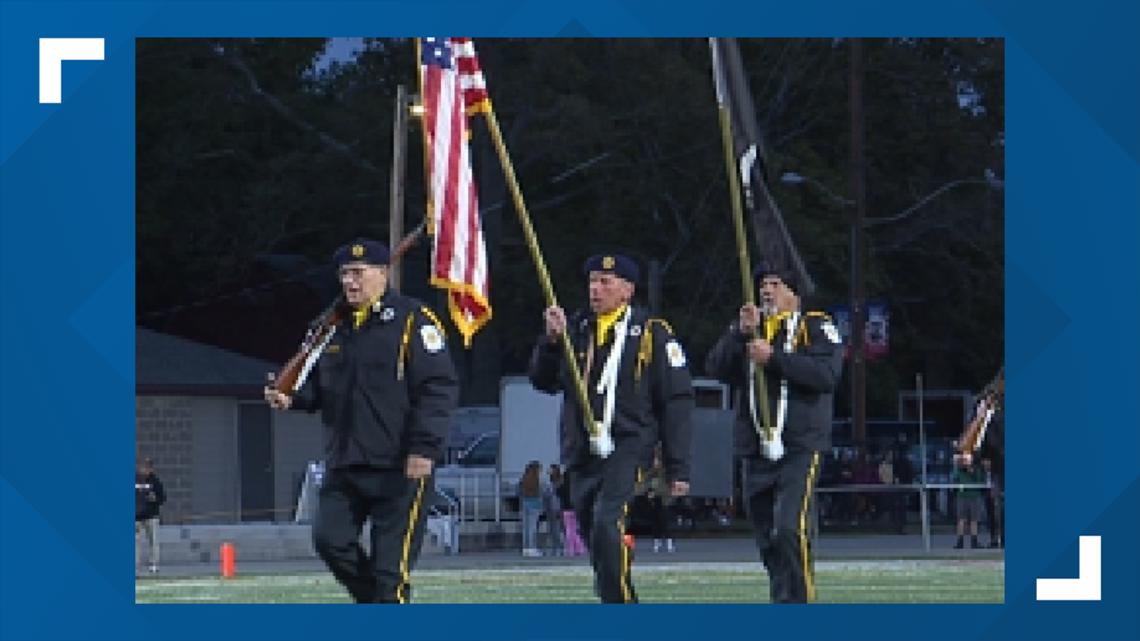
<point x="773" y="450"/>
<point x="602" y="445"/>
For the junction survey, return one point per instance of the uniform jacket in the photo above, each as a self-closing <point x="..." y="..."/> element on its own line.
<point x="385" y="389"/>
<point x="654" y="396"/>
<point x="812" y="369"/>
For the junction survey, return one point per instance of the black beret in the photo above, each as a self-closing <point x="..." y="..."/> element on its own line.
<point x="616" y="264"/>
<point x="362" y="250"/>
<point x="788" y="276"/>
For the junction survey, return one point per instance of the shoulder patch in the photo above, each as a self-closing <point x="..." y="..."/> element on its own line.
<point x="831" y="331"/>
<point x="675" y="353"/>
<point x="432" y="338"/>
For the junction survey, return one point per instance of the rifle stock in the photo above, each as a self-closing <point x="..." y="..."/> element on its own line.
<point x="975" y="431"/>
<point x="293" y="373"/>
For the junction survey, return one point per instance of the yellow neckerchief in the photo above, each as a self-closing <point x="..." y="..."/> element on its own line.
<point x="361" y="314"/>
<point x="606" y="321"/>
<point x="772" y="324"/>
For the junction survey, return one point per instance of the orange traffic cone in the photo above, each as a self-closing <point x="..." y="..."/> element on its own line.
<point x="229" y="560"/>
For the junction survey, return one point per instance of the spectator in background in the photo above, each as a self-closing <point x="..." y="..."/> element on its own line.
<point x="149" y="497"/>
<point x="904" y="469"/>
<point x="887" y="468"/>
<point x="659" y="504"/>
<point x="904" y="475"/>
<point x="885" y="500"/>
<point x="969" y="500"/>
<point x="724" y="510"/>
<point x="845" y="503"/>
<point x="684" y="512"/>
<point x="530" y="504"/>
<point x="864" y="472"/>
<point x="829" y="473"/>
<point x="573" y="545"/>
<point x="993" y="503"/>
<point x="553" y="506"/>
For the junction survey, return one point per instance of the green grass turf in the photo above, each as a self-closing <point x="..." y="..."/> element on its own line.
<point x="927" y="581"/>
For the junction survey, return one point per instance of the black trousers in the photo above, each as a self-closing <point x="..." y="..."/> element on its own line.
<point x="600" y="491"/>
<point x="778" y="495"/>
<point x="396" y="506"/>
<point x="997" y="513"/>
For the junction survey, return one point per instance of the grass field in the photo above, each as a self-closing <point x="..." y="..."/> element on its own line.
<point x="924" y="581"/>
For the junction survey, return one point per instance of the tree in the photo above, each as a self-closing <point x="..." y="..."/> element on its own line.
<point x="254" y="163"/>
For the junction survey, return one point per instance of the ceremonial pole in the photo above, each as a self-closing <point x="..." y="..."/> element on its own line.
<point x="760" y="389"/>
<point x="540" y="265"/>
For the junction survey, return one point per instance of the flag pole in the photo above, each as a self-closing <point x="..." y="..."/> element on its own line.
<point x="540" y="266"/>
<point x="396" y="188"/>
<point x="760" y="388"/>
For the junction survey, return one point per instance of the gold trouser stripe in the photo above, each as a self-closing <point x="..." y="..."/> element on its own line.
<point x="626" y="561"/>
<point x="413" y="516"/>
<point x="626" y="597"/>
<point x="809" y="578"/>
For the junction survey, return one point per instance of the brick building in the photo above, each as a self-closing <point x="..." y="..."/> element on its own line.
<point x="222" y="454"/>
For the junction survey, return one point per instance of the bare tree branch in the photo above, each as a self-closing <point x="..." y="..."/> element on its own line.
<point x="235" y="60"/>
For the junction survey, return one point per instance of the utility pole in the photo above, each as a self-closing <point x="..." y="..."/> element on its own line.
<point x="396" y="190"/>
<point x="858" y="213"/>
<point x="654" y="286"/>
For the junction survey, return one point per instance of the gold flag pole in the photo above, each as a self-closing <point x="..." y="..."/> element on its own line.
<point x="760" y="388"/>
<point x="540" y="265"/>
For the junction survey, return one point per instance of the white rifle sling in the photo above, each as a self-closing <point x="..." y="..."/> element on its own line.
<point x="312" y="358"/>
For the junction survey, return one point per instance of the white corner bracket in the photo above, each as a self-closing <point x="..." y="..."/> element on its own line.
<point x="53" y="51"/>
<point x="1086" y="587"/>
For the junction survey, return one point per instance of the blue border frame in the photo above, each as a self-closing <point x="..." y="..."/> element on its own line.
<point x="67" y="259"/>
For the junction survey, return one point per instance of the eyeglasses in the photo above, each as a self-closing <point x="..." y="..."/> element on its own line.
<point x="353" y="272"/>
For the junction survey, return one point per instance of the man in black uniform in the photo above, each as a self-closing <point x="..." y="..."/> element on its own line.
<point x="994" y="449"/>
<point x="640" y="391"/>
<point x="992" y="454"/>
<point x="801" y="358"/>
<point x="386" y="388"/>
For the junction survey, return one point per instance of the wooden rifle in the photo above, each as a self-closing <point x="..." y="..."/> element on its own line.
<point x="975" y="432"/>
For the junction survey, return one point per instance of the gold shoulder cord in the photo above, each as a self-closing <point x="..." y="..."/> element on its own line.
<point x="645" y="349"/>
<point x="433" y="318"/>
<point x="803" y="331"/>
<point x="401" y="360"/>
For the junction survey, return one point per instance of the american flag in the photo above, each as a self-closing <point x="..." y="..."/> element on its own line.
<point x="452" y="88"/>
